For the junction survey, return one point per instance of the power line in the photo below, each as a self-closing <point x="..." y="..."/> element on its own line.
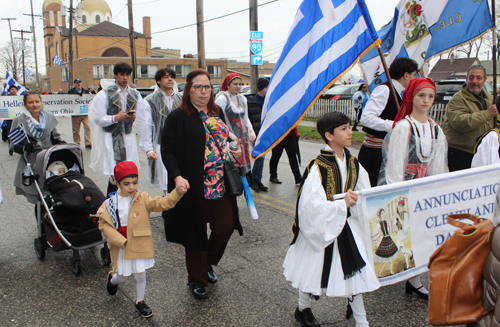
<point x="211" y="19"/>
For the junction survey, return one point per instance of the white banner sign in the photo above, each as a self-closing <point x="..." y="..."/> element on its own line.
<point x="407" y="220"/>
<point x="57" y="104"/>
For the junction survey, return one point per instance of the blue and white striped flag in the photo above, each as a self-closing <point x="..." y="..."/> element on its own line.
<point x="352" y="79"/>
<point x="27" y="72"/>
<point x="17" y="135"/>
<point x="57" y="60"/>
<point x="326" y="39"/>
<point x="9" y="80"/>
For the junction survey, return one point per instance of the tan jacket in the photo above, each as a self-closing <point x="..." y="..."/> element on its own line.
<point x="139" y="241"/>
<point x="465" y="121"/>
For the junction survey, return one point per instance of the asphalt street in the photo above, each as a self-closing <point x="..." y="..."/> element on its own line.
<point x="251" y="290"/>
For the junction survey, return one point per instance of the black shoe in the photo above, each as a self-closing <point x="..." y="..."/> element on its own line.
<point x="354" y="129"/>
<point x="255" y="187"/>
<point x="88" y="146"/>
<point x="143" y="309"/>
<point x="411" y="289"/>
<point x="262" y="187"/>
<point x="212" y="277"/>
<point x="275" y="180"/>
<point x="110" y="286"/>
<point x="11" y="152"/>
<point x="298" y="180"/>
<point x="199" y="292"/>
<point x="306" y="318"/>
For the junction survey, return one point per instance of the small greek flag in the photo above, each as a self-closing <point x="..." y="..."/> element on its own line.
<point x="9" y="80"/>
<point x="17" y="135"/>
<point x="352" y="79"/>
<point x="57" y="60"/>
<point x="27" y="72"/>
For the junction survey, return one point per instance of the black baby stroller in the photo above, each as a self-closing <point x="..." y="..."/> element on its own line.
<point x="67" y="204"/>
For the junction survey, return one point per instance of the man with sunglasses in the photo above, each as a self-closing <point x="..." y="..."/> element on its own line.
<point x="159" y="104"/>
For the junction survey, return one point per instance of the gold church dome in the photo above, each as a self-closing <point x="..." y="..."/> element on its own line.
<point x="54" y="3"/>
<point x="92" y="6"/>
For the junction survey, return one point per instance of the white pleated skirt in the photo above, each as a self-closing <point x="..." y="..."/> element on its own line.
<point x="127" y="267"/>
<point x="304" y="267"/>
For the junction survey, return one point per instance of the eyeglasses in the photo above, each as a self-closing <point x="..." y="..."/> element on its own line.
<point x="207" y="87"/>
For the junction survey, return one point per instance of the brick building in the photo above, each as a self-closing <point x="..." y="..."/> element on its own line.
<point x="98" y="44"/>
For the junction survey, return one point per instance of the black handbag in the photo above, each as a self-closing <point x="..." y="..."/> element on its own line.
<point x="232" y="177"/>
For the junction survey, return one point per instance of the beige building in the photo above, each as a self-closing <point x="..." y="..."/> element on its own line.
<point x="98" y="44"/>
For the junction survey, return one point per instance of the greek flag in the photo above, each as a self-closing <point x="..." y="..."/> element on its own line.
<point x="17" y="135"/>
<point x="27" y="72"/>
<point x="57" y="60"/>
<point x="352" y="79"/>
<point x="424" y="29"/>
<point x="9" y="80"/>
<point x="326" y="39"/>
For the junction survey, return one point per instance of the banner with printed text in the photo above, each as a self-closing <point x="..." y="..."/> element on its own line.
<point x="57" y="104"/>
<point x="407" y="221"/>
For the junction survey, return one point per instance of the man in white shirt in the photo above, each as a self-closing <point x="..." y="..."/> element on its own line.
<point x="159" y="104"/>
<point x="378" y="116"/>
<point x="112" y="113"/>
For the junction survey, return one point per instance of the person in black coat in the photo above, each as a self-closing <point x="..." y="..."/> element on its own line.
<point x="194" y="163"/>
<point x="255" y="104"/>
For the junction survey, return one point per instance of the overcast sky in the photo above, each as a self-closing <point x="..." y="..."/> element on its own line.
<point x="226" y="37"/>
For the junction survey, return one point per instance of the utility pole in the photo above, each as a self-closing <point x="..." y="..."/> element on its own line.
<point x="22" y="51"/>
<point x="201" y="35"/>
<point x="34" y="40"/>
<point x="254" y="26"/>
<point x="132" y="40"/>
<point x="70" y="42"/>
<point x="14" y="63"/>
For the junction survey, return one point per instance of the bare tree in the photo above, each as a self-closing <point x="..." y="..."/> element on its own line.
<point x="7" y="62"/>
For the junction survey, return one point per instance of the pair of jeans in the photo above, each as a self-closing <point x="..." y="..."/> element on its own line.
<point x="258" y="168"/>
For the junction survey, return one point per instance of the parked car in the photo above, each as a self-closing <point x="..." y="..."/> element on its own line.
<point x="144" y="91"/>
<point x="246" y="89"/>
<point x="181" y="86"/>
<point x="341" y="92"/>
<point x="445" y="89"/>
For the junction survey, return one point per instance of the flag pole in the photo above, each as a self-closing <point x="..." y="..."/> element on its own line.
<point x="389" y="79"/>
<point x="493" y="16"/>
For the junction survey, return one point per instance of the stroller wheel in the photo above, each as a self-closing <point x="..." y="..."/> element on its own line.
<point x="76" y="267"/>
<point x="105" y="256"/>
<point x="39" y="249"/>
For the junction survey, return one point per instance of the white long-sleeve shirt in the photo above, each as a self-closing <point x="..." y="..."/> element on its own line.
<point x="376" y="105"/>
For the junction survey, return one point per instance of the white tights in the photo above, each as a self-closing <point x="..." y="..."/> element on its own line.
<point x="140" y="283"/>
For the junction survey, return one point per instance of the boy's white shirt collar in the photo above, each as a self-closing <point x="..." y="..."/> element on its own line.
<point x="327" y="147"/>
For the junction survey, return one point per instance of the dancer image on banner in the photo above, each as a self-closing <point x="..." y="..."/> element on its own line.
<point x="403" y="233"/>
<point x="387" y="250"/>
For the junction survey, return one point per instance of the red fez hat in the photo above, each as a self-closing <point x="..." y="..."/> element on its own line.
<point x="124" y="169"/>
<point x="401" y="203"/>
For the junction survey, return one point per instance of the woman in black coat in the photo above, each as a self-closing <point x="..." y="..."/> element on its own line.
<point x="193" y="162"/>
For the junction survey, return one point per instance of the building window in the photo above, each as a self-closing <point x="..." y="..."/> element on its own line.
<point x="57" y="49"/>
<point x="51" y="16"/>
<point x="147" y="71"/>
<point x="215" y="70"/>
<point x="64" y="74"/>
<point x="84" y="19"/>
<point x="46" y="86"/>
<point x="180" y="70"/>
<point x="97" y="19"/>
<point x="59" y="18"/>
<point x="103" y="71"/>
